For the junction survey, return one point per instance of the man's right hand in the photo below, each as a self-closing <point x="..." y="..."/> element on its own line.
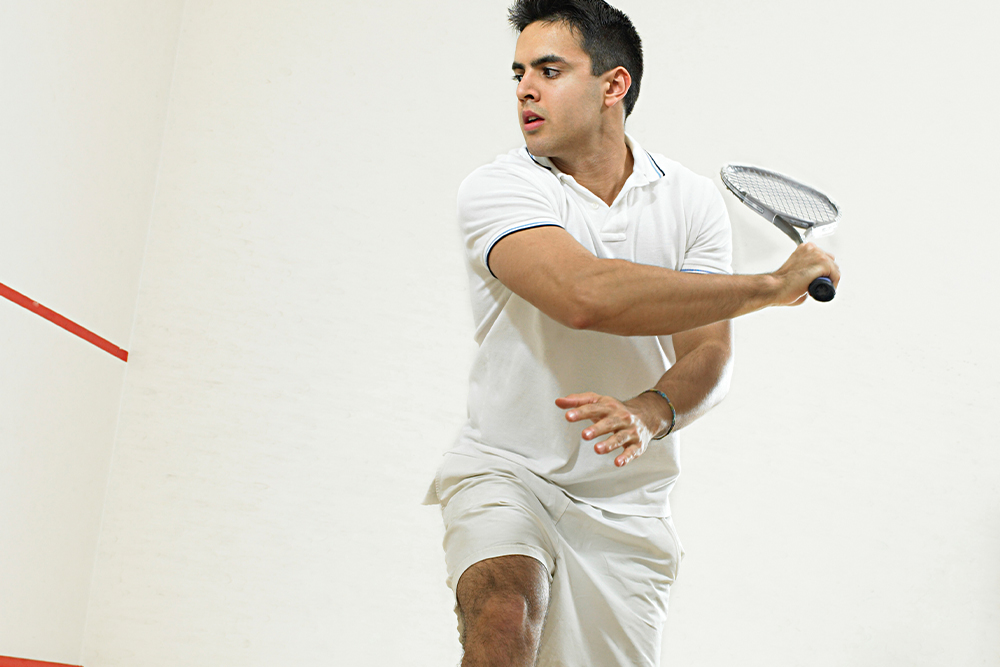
<point x="807" y="263"/>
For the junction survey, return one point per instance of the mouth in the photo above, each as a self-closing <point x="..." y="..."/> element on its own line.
<point x="531" y="120"/>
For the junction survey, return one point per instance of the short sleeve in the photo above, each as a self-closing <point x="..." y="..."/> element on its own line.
<point x="497" y="200"/>
<point x="710" y="249"/>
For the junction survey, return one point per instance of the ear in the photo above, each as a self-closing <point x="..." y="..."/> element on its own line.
<point x="617" y="82"/>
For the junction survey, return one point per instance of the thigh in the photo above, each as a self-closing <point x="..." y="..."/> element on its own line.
<point x="608" y="599"/>
<point x="490" y="510"/>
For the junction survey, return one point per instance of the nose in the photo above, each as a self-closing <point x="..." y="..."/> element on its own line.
<point x="526" y="89"/>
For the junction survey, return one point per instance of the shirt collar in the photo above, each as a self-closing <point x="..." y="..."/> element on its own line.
<point x="644" y="171"/>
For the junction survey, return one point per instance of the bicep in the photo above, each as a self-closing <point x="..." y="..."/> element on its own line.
<point x="544" y="266"/>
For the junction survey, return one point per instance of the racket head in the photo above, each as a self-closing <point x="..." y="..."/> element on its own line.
<point x="773" y="194"/>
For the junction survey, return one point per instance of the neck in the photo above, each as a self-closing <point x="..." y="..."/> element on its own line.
<point x="601" y="165"/>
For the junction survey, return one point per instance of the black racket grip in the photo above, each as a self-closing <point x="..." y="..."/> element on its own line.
<point x="822" y="289"/>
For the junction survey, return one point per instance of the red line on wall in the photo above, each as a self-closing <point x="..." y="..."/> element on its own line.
<point x="21" y="662"/>
<point x="69" y="326"/>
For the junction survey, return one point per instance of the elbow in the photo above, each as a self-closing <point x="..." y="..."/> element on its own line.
<point x="579" y="322"/>
<point x="584" y="309"/>
<point x="580" y="319"/>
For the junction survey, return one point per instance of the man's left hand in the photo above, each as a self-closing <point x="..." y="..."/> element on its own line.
<point x="629" y="425"/>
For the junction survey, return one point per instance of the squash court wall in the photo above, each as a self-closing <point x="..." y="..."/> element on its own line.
<point x="301" y="337"/>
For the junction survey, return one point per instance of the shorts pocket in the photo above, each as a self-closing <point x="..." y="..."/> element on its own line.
<point x="678" y="547"/>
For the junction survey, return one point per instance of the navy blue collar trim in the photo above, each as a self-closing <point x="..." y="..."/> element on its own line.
<point x="655" y="166"/>
<point x="534" y="160"/>
<point x="662" y="173"/>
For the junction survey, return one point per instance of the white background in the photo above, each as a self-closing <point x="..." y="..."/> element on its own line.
<point x="257" y="200"/>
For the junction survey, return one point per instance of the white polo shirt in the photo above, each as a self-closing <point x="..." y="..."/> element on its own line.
<point x="666" y="216"/>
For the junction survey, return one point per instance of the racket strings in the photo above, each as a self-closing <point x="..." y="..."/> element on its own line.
<point x="782" y="196"/>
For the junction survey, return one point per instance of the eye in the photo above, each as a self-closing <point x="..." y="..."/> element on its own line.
<point x="517" y="77"/>
<point x="549" y="72"/>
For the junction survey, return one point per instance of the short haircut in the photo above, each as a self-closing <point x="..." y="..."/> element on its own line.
<point x="607" y="34"/>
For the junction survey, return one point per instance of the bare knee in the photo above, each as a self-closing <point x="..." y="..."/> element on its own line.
<point x="505" y="614"/>
<point x="503" y="603"/>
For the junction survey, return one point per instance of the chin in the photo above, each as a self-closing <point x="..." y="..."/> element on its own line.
<point x="537" y="146"/>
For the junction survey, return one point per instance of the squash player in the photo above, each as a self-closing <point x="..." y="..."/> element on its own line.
<point x="602" y="295"/>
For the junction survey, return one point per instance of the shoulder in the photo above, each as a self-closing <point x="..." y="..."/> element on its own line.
<point x="512" y="185"/>
<point x="516" y="168"/>
<point x="683" y="179"/>
<point x="697" y="195"/>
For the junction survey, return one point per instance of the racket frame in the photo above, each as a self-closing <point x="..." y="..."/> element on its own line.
<point x="787" y="223"/>
<point x="821" y="289"/>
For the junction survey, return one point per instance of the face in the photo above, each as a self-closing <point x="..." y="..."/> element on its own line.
<point x="559" y="101"/>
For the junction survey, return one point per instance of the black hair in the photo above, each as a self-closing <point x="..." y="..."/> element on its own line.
<point x="607" y="34"/>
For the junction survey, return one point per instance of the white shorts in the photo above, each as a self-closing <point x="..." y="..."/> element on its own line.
<point x="610" y="574"/>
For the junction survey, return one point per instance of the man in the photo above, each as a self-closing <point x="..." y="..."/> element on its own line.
<point x="595" y="267"/>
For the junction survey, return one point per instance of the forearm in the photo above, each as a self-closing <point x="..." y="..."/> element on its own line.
<point x="548" y="268"/>
<point x="695" y="384"/>
<point x="627" y="299"/>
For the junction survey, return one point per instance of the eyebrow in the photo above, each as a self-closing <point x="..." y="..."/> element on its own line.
<point x="544" y="60"/>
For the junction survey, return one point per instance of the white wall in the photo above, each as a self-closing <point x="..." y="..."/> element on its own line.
<point x="300" y="348"/>
<point x="841" y="507"/>
<point x="302" y="338"/>
<point x="85" y="89"/>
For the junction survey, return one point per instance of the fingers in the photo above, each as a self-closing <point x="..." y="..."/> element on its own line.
<point x="623" y="436"/>
<point x="823" y="261"/>
<point x="805" y="264"/>
<point x="827" y="265"/>
<point x="835" y="274"/>
<point x="617" y="440"/>
<point x="630" y="453"/>
<point x="628" y="439"/>
<point x="576" y="400"/>
<point x="604" y="425"/>
<point x="610" y="417"/>
<point x="592" y="407"/>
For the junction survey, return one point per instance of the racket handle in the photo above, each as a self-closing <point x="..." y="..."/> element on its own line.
<point x="822" y="289"/>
